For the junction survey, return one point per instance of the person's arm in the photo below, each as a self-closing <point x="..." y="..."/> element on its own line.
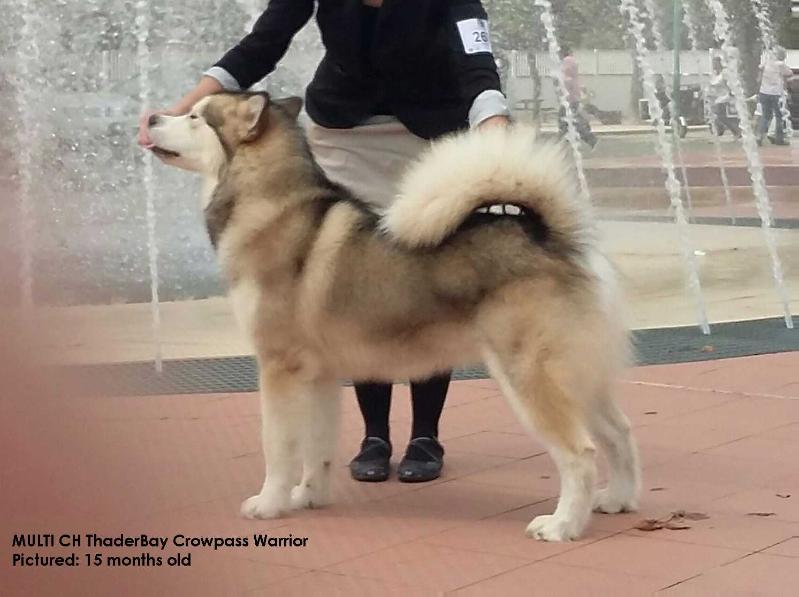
<point x="474" y="63"/>
<point x="258" y="53"/>
<point x="206" y="86"/>
<point x="488" y="110"/>
<point x="248" y="62"/>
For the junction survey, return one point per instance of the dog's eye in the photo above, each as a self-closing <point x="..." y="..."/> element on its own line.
<point x="193" y="116"/>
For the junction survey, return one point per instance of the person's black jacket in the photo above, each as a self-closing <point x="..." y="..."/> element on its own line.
<point x="417" y="66"/>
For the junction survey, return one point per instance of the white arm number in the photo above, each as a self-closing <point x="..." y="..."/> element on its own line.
<point x="475" y="36"/>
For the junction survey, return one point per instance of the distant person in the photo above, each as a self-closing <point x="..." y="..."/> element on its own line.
<point x="663" y="98"/>
<point x="719" y="98"/>
<point x="571" y="82"/>
<point x="773" y="74"/>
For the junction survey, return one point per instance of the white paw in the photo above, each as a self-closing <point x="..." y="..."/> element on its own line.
<point x="549" y="527"/>
<point x="263" y="506"/>
<point x="613" y="502"/>
<point x="303" y="496"/>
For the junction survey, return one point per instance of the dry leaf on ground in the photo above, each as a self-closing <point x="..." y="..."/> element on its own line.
<point x="691" y="515"/>
<point x="650" y="524"/>
<point x="673" y="522"/>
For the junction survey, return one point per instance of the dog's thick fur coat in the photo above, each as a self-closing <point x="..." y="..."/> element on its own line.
<point x="486" y="256"/>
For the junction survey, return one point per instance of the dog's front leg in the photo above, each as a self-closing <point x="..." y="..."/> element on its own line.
<point x="318" y="445"/>
<point x="281" y="434"/>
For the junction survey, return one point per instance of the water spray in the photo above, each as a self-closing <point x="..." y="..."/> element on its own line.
<point x="553" y="46"/>
<point x="629" y="9"/>
<point x="729" y="58"/>
<point x="142" y="28"/>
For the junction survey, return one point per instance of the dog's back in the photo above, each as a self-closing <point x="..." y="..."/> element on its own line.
<point x="471" y="224"/>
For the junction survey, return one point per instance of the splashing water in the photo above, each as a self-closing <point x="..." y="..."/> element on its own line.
<point x="636" y="27"/>
<point x="655" y="24"/>
<point x="660" y="44"/>
<point x="711" y="118"/>
<point x="729" y="58"/>
<point x="689" y="19"/>
<point x="690" y="24"/>
<point x="142" y="27"/>
<point x="28" y="56"/>
<point x="683" y="170"/>
<point x="764" y="24"/>
<point x="553" y="47"/>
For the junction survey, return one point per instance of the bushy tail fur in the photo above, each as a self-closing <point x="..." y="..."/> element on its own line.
<point x="465" y="171"/>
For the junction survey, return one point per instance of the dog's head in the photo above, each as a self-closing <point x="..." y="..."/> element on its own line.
<point x="211" y="133"/>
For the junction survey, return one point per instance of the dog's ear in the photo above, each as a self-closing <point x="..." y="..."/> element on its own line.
<point x="291" y="105"/>
<point x="254" y="116"/>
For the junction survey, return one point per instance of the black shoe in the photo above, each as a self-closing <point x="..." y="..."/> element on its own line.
<point x="372" y="462"/>
<point x="423" y="461"/>
<point x="775" y="141"/>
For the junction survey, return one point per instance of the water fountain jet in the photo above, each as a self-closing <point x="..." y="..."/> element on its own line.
<point x="660" y="45"/>
<point x="28" y="56"/>
<point x="142" y="29"/>
<point x="729" y="58"/>
<point x="664" y="148"/>
<point x="693" y="38"/>
<point x="553" y="48"/>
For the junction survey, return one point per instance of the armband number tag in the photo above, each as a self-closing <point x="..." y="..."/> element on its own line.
<point x="474" y="35"/>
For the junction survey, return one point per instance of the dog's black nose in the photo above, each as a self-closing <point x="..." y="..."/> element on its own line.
<point x="153" y="120"/>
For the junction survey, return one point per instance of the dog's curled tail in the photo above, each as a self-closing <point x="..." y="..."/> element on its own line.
<point x="465" y="171"/>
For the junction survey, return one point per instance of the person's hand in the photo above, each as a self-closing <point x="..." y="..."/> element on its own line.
<point x="494" y="121"/>
<point x="206" y="86"/>
<point x="144" y="125"/>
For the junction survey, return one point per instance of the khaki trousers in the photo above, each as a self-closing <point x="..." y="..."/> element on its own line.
<point x="369" y="159"/>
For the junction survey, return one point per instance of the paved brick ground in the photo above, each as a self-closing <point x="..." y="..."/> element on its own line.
<point x="720" y="438"/>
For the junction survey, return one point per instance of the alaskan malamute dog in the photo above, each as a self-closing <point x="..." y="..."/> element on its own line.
<point x="486" y="256"/>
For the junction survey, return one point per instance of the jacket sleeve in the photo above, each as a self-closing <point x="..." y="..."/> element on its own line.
<point x="473" y="60"/>
<point x="257" y="54"/>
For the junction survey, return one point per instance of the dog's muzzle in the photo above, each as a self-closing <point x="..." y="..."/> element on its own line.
<point x="167" y="153"/>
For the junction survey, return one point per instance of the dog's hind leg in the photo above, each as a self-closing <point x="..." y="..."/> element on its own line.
<point x="533" y="382"/>
<point x="318" y="446"/>
<point x="281" y="434"/>
<point x="611" y="429"/>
